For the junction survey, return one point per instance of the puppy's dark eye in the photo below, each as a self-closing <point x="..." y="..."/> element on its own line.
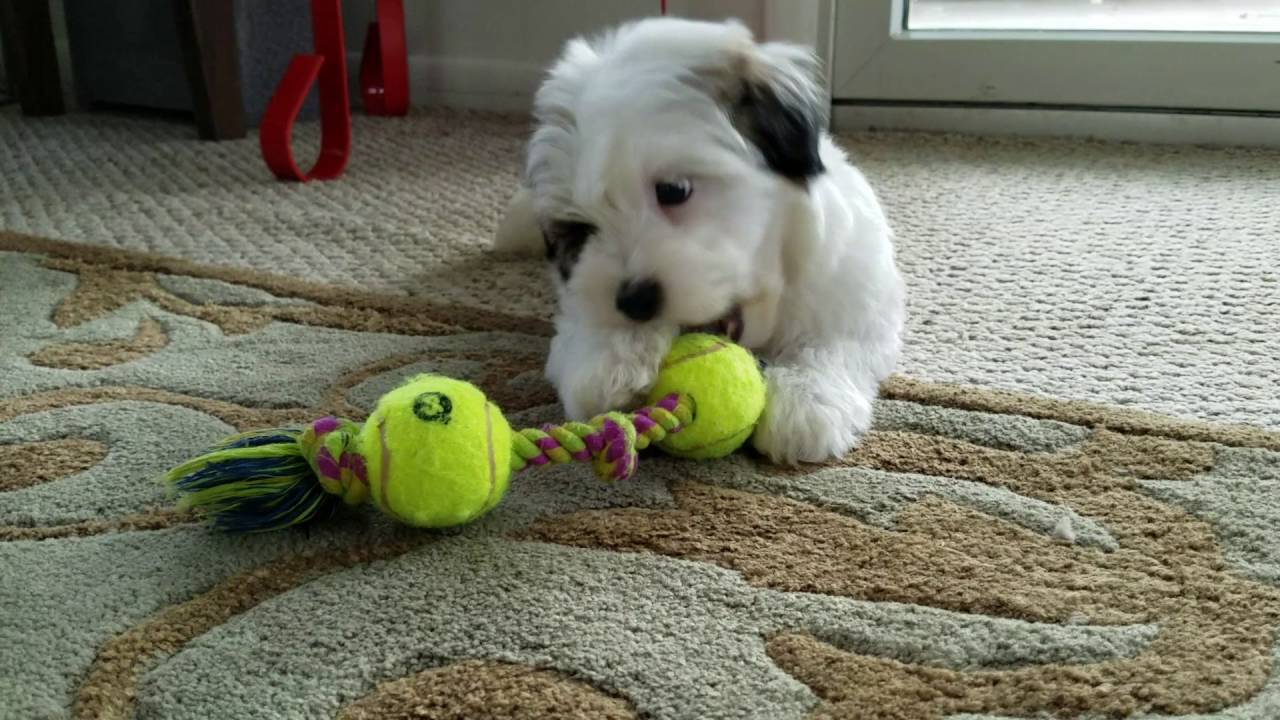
<point x="671" y="194"/>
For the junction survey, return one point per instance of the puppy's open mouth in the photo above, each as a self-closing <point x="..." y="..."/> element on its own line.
<point x="729" y="325"/>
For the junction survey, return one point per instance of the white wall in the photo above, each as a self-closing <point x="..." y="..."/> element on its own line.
<point x="491" y="54"/>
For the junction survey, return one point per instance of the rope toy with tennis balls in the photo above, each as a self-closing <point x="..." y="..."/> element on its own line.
<point x="435" y="452"/>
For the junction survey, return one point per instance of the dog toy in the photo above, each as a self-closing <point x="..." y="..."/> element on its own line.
<point x="436" y="453"/>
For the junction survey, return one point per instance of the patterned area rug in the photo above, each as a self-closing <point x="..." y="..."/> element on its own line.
<point x="983" y="554"/>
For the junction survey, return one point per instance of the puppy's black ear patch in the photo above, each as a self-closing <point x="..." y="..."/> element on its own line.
<point x="564" y="240"/>
<point x="785" y="130"/>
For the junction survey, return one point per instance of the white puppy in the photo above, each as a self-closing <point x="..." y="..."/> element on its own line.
<point x="680" y="178"/>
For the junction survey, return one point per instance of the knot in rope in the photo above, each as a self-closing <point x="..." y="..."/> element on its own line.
<point x="329" y="446"/>
<point x="610" y="442"/>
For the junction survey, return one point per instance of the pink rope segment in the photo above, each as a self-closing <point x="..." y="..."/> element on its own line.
<point x="610" y="442"/>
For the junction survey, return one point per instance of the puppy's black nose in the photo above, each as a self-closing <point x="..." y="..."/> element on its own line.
<point x="640" y="300"/>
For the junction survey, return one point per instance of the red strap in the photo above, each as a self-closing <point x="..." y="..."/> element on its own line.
<point x="329" y="64"/>
<point x="384" y="66"/>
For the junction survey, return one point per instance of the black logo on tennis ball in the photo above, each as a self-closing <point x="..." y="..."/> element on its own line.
<point x="433" y="407"/>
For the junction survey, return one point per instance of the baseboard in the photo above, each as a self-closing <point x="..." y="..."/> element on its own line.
<point x="508" y="86"/>
<point x="1157" y="127"/>
<point x="472" y="83"/>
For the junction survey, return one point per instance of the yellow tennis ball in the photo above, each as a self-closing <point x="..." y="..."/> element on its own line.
<point x="437" y="452"/>
<point x="726" y="389"/>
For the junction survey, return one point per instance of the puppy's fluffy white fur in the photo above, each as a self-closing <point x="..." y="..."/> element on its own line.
<point x="778" y="225"/>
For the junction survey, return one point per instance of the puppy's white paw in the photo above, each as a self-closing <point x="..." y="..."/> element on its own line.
<point x="519" y="232"/>
<point x="811" y="416"/>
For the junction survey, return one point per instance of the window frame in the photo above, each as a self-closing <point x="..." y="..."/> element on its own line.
<point x="876" y="60"/>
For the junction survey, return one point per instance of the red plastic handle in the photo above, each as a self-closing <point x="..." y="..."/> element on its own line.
<point x="384" y="66"/>
<point x="329" y="65"/>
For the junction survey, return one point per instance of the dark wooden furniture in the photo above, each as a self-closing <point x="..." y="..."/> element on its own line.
<point x="31" y="56"/>
<point x="205" y="31"/>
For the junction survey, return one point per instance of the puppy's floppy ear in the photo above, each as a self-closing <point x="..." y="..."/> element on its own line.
<point x="779" y="108"/>
<point x="564" y="242"/>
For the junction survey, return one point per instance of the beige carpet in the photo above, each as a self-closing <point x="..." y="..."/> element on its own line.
<point x="985" y="554"/>
<point x="1145" y="276"/>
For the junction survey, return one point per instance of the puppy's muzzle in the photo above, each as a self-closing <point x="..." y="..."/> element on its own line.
<point x="730" y="325"/>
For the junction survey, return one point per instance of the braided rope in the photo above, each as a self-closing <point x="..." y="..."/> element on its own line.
<point x="329" y="446"/>
<point x="610" y="442"/>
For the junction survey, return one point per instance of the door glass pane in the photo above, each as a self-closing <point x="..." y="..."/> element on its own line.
<point x="1155" y="15"/>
